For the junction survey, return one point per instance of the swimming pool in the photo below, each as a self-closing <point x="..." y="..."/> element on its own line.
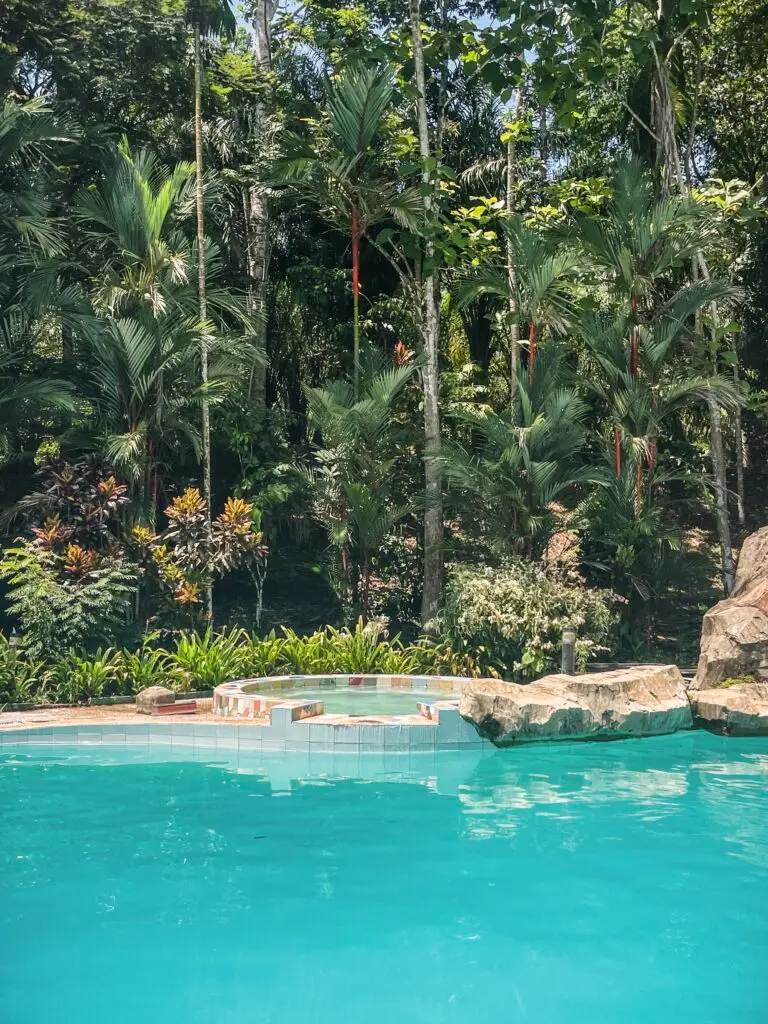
<point x="578" y="883"/>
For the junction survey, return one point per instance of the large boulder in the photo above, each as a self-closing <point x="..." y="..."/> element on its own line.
<point x="734" y="635"/>
<point x="645" y="701"/>
<point x="740" y="710"/>
<point x="153" y="697"/>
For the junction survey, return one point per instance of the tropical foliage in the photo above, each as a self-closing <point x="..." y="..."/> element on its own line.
<point x="197" y="662"/>
<point x="311" y="315"/>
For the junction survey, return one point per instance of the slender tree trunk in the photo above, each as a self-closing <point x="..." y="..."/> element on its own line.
<point x="634" y="361"/>
<point x="514" y="326"/>
<point x="634" y="344"/>
<point x="739" y="446"/>
<point x="544" y="140"/>
<point x="355" y="229"/>
<point x="721" y="494"/>
<point x="433" y="512"/>
<point x="617" y="448"/>
<point x="257" y="212"/>
<point x="531" y="351"/>
<point x="671" y="167"/>
<point x="203" y="308"/>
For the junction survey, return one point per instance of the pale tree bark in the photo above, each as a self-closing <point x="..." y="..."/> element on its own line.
<point x="739" y="446"/>
<point x="671" y="168"/>
<point x="430" y="331"/>
<point x="256" y="210"/>
<point x="514" y="325"/>
<point x="202" y="300"/>
<point x="721" y="493"/>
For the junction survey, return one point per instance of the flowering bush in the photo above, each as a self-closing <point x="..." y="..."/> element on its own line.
<point x="512" y="617"/>
<point x="186" y="557"/>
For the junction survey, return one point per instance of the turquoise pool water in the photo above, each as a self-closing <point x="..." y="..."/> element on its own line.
<point x="599" y="884"/>
<point x="366" y="700"/>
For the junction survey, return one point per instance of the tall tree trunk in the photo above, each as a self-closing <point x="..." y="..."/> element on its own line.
<point x="634" y="344"/>
<point x="256" y="214"/>
<point x="544" y="140"/>
<point x="514" y="326"/>
<point x="721" y="494"/>
<point x="430" y="330"/>
<point x="257" y="210"/>
<point x="739" y="447"/>
<point x="531" y="351"/>
<point x="203" y="307"/>
<point x="671" y="168"/>
<point x="355" y="229"/>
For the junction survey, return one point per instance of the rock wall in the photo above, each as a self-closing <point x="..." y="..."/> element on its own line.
<point x="645" y="701"/>
<point x="734" y="636"/>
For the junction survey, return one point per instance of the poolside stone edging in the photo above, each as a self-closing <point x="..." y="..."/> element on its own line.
<point x="645" y="700"/>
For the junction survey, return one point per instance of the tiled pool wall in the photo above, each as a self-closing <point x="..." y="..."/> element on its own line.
<point x="255" y="717"/>
<point x="253" y="698"/>
<point x="446" y="730"/>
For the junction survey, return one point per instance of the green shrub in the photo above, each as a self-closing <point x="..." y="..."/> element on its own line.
<point x="77" y="604"/>
<point x="743" y="680"/>
<point x="23" y="678"/>
<point x="363" y="649"/>
<point x="202" y="662"/>
<point x="148" y="666"/>
<point x="263" y="657"/>
<point x="78" y="679"/>
<point x="427" y="657"/>
<point x="511" y="618"/>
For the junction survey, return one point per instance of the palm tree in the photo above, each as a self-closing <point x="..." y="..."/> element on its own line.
<point x="133" y="221"/>
<point x="540" y="290"/>
<point x="353" y="496"/>
<point x="25" y="389"/>
<point x="338" y="174"/>
<point x="143" y="386"/>
<point x="520" y="463"/>
<point x="148" y="347"/>
<point x="29" y="133"/>
<point x="639" y="385"/>
<point x="637" y="242"/>
<point x="631" y="538"/>
<point x="33" y="300"/>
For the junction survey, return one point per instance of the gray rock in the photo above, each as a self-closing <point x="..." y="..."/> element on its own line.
<point x="153" y="697"/>
<point x="734" y="635"/>
<point x="740" y="710"/>
<point x="645" y="701"/>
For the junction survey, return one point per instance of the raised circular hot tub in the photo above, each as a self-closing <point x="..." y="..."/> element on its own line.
<point x="355" y="695"/>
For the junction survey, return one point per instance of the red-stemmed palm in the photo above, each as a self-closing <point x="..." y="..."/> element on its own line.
<point x="337" y="170"/>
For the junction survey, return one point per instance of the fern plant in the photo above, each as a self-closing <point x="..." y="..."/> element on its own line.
<point x="85" y="607"/>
